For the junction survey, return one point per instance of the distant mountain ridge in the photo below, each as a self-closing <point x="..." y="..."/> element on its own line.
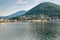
<point x="46" y="8"/>
<point x="22" y="12"/>
<point x="19" y="13"/>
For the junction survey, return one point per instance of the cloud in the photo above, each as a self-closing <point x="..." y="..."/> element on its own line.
<point x="37" y="1"/>
<point x="24" y="2"/>
<point x="21" y="2"/>
<point x="27" y="4"/>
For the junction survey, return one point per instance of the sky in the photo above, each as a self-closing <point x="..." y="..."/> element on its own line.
<point x="8" y="7"/>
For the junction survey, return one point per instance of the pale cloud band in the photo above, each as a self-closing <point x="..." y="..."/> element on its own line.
<point x="21" y="2"/>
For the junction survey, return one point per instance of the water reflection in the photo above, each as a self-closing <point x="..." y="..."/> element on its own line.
<point x="30" y="31"/>
<point x="45" y="31"/>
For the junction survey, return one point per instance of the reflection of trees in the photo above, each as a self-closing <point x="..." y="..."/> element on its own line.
<point x="45" y="33"/>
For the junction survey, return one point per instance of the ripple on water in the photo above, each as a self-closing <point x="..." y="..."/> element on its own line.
<point x="30" y="31"/>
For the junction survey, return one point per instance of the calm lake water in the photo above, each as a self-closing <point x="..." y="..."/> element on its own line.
<point x="30" y="31"/>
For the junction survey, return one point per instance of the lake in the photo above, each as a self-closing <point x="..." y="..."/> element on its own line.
<point x="30" y="31"/>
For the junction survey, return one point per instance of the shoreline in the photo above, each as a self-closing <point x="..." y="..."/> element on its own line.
<point x="37" y="21"/>
<point x="31" y="21"/>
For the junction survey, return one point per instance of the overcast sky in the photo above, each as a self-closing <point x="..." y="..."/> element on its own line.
<point x="8" y="7"/>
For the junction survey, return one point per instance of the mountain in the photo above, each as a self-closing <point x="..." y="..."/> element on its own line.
<point x="19" y="13"/>
<point x="46" y="8"/>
